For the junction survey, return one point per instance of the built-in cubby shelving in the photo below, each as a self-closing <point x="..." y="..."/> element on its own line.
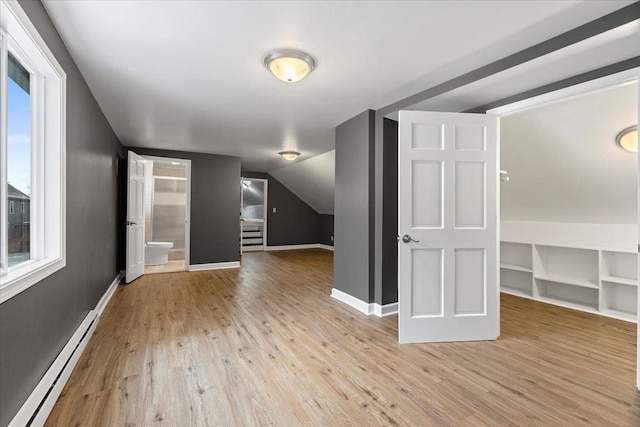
<point x="587" y="279"/>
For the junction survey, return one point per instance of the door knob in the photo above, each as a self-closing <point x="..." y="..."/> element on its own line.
<point x="129" y="223"/>
<point x="406" y="238"/>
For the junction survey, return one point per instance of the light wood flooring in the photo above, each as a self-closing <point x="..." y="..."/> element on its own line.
<point x="171" y="267"/>
<point x="266" y="345"/>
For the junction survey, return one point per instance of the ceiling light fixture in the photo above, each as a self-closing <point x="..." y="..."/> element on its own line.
<point x="628" y="139"/>
<point x="289" y="65"/>
<point x="289" y="155"/>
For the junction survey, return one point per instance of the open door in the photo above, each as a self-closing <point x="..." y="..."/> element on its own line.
<point x="448" y="227"/>
<point x="135" y="217"/>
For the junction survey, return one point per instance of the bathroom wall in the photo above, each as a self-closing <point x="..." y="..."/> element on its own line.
<point x="168" y="214"/>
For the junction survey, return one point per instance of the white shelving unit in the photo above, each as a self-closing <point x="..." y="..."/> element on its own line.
<point x="587" y="279"/>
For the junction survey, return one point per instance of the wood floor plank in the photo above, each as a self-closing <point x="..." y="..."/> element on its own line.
<point x="266" y="345"/>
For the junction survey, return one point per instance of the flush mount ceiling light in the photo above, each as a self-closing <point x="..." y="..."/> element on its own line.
<point x="289" y="155"/>
<point x="289" y="65"/>
<point x="628" y="139"/>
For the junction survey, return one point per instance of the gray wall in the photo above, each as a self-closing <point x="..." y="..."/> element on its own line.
<point x="390" y="213"/>
<point x="294" y="222"/>
<point x="326" y="229"/>
<point x="352" y="262"/>
<point x="37" y="323"/>
<point x="215" y="204"/>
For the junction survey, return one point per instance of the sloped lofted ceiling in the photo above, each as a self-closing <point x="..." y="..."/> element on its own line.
<point x="187" y="75"/>
<point x="564" y="164"/>
<point x="313" y="180"/>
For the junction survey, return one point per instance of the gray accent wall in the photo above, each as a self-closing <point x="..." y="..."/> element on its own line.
<point x="215" y="204"/>
<point x="326" y="229"/>
<point x="353" y="233"/>
<point x="294" y="222"/>
<point x="37" y="323"/>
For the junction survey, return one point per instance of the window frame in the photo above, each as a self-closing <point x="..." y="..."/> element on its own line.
<point x="48" y="153"/>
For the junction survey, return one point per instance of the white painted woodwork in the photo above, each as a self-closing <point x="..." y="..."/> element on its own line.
<point x="135" y="217"/>
<point x="586" y="279"/>
<point x="448" y="169"/>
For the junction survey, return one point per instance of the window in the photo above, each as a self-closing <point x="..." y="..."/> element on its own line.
<point x="32" y="163"/>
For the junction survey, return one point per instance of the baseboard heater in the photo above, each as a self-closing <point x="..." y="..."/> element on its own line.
<point x="37" y="407"/>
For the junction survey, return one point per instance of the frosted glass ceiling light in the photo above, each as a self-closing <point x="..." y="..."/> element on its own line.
<point x="628" y="139"/>
<point x="289" y="65"/>
<point x="289" y="155"/>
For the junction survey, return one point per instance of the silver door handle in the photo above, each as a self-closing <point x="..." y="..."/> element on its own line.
<point x="129" y="223"/>
<point x="406" y="238"/>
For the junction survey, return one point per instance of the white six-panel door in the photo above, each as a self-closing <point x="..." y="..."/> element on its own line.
<point x="135" y="217"/>
<point x="448" y="207"/>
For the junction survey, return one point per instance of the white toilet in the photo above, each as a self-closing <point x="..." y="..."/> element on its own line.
<point x="157" y="253"/>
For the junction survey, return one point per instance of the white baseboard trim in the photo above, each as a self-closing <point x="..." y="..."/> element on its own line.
<point x="358" y="304"/>
<point x="365" y="307"/>
<point x="41" y="400"/>
<point x="293" y="247"/>
<point x="214" y="266"/>
<point x="107" y="295"/>
<point x="385" y="310"/>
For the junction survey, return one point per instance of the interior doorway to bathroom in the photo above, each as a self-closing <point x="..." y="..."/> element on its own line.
<point x="166" y="214"/>
<point x="253" y="214"/>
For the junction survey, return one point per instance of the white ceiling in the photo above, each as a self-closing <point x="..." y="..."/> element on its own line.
<point x="564" y="164"/>
<point x="188" y="75"/>
<point x="312" y="180"/>
<point x="599" y="51"/>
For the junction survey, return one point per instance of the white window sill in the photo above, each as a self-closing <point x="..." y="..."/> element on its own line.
<point x="24" y="276"/>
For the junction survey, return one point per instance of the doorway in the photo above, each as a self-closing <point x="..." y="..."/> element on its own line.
<point x="166" y="215"/>
<point x="582" y="274"/>
<point x="253" y="214"/>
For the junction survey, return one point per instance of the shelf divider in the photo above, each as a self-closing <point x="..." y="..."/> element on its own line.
<point x="567" y="280"/>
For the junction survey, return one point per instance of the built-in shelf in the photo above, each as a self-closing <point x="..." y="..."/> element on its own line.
<point x="586" y="279"/>
<point x="515" y="267"/>
<point x="620" y="280"/>
<point x="567" y="303"/>
<point x="567" y="280"/>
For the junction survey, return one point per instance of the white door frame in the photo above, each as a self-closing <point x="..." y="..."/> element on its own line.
<point x="135" y="221"/>
<point x="264" y="212"/>
<point x="606" y="82"/>
<point x="187" y="220"/>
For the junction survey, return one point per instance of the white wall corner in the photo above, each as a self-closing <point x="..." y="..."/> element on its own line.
<point x="385" y="310"/>
<point x="358" y="304"/>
